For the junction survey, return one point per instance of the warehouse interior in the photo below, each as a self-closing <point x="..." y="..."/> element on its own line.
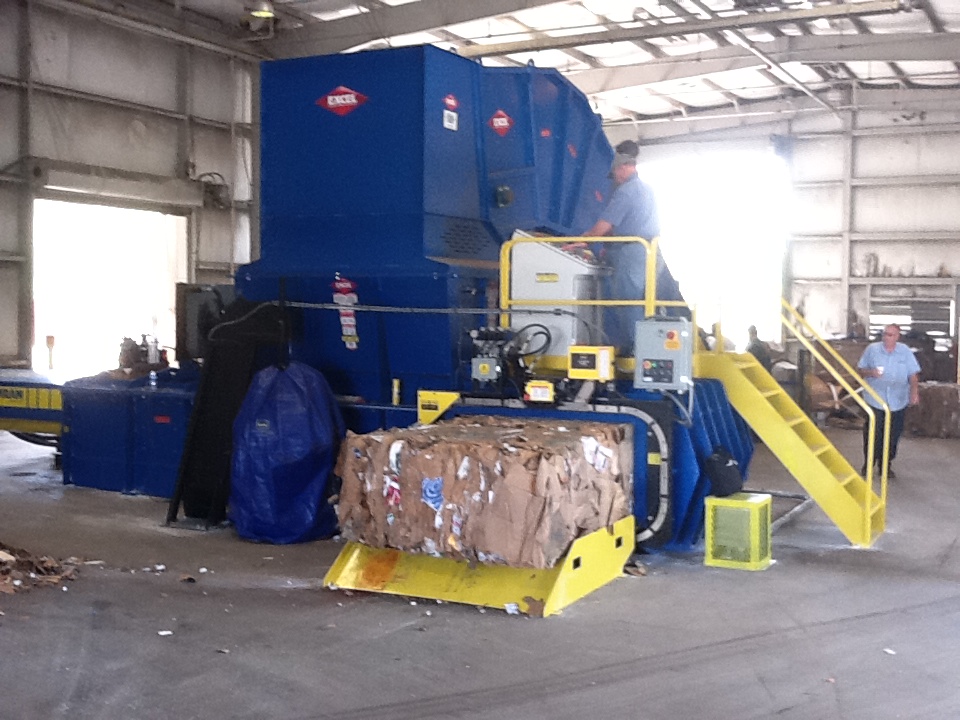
<point x="206" y="203"/>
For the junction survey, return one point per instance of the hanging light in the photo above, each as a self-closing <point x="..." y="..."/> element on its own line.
<point x="262" y="9"/>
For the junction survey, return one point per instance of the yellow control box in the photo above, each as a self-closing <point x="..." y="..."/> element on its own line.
<point x="591" y="362"/>
<point x="540" y="391"/>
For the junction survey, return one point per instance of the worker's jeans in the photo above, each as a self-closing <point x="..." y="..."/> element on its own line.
<point x="896" y="428"/>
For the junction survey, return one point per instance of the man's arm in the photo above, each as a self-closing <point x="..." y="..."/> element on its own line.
<point x="914" y="389"/>
<point x="866" y="364"/>
<point x="600" y="228"/>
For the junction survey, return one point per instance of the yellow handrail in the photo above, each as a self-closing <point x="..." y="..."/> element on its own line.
<point x="649" y="302"/>
<point x="792" y="315"/>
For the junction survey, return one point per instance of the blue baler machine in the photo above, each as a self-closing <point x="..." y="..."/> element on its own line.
<point x="390" y="180"/>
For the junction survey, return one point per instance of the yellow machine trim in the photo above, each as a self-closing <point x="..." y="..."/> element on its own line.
<point x="431" y="404"/>
<point x="30" y="426"/>
<point x="592" y="562"/>
<point x="30" y="398"/>
<point x="553" y="363"/>
<point x="649" y="302"/>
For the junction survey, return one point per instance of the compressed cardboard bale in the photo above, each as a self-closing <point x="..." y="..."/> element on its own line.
<point x="938" y="414"/>
<point x="484" y="489"/>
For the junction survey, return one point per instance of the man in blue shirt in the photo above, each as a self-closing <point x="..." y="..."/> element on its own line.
<point x="631" y="212"/>
<point x="891" y="369"/>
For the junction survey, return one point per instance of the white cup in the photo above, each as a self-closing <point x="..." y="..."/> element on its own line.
<point x="879" y="370"/>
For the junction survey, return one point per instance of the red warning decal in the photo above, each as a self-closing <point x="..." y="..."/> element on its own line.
<point x="572" y="149"/>
<point x="343" y="285"/>
<point x="500" y="122"/>
<point x="451" y="102"/>
<point x="342" y="100"/>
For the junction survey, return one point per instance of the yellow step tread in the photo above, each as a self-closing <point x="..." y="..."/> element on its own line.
<point x="847" y="479"/>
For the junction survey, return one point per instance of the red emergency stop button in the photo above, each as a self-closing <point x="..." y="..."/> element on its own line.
<point x="671" y="334"/>
<point x="646" y="364"/>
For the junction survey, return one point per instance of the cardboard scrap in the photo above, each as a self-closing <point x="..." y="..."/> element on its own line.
<point x="20" y="570"/>
<point x="484" y="489"/>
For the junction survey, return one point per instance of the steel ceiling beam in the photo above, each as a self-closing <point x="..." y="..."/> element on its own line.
<point x="688" y="27"/>
<point x="338" y="35"/>
<point x="702" y="124"/>
<point x="179" y="31"/>
<point x="809" y="49"/>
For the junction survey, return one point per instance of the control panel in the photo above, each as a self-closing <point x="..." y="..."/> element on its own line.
<point x="591" y="362"/>
<point x="663" y="349"/>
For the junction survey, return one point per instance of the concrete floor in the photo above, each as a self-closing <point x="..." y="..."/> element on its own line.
<point x="828" y="631"/>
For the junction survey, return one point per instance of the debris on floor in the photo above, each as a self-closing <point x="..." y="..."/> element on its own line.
<point x="635" y="568"/>
<point x="21" y="570"/>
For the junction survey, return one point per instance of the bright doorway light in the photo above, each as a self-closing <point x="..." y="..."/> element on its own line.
<point x="102" y="274"/>
<point x="723" y="218"/>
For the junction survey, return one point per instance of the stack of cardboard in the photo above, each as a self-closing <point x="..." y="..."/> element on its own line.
<point x="490" y="490"/>
<point x="938" y="414"/>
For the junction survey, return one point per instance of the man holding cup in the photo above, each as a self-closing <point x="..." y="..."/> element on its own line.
<point x="891" y="369"/>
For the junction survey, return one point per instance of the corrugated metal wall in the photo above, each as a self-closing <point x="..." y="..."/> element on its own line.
<point x="96" y="113"/>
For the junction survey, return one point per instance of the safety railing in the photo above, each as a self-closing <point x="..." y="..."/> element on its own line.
<point x="649" y="301"/>
<point x="797" y="325"/>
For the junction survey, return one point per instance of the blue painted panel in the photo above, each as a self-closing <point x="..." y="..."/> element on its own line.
<point x="451" y="118"/>
<point x="714" y="423"/>
<point x="322" y="164"/>
<point x="161" y="421"/>
<point x="97" y="442"/>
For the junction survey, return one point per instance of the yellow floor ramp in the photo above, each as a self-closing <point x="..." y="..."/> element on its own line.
<point x="826" y="475"/>
<point x="593" y="561"/>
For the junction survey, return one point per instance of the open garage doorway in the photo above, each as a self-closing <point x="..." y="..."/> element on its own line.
<point x="102" y="274"/>
<point x="724" y="217"/>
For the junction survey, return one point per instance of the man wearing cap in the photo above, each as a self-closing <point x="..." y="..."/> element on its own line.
<point x="892" y="370"/>
<point x="631" y="212"/>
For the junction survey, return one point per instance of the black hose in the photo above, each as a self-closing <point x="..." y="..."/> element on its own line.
<point x="37" y="438"/>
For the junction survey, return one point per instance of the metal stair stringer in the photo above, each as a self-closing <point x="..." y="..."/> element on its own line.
<point x="798" y="443"/>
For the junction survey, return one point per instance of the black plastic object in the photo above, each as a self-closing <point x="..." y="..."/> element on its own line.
<point x="724" y="473"/>
<point x="285" y="442"/>
<point x="239" y="346"/>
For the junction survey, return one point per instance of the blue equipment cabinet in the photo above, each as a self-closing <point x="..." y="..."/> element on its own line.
<point x="392" y="178"/>
<point x="97" y="440"/>
<point x="124" y="435"/>
<point x="161" y="418"/>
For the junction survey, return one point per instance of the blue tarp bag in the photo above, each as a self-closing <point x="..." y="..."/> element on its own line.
<point x="285" y="442"/>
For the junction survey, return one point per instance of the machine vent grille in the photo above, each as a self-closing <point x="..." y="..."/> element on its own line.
<point x="464" y="239"/>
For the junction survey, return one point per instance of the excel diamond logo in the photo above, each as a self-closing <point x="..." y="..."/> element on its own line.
<point x="342" y="100"/>
<point x="500" y="123"/>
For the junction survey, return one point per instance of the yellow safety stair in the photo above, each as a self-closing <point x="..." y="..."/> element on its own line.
<point x="848" y="499"/>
